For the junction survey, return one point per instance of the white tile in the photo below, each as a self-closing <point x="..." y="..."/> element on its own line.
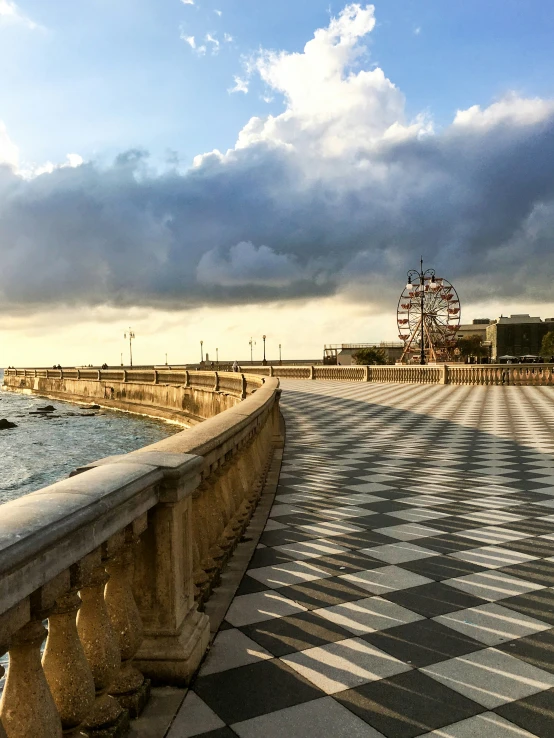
<point x="397" y="553"/>
<point x="493" y="517"/>
<point x="486" y="725"/>
<point x="492" y="624"/>
<point x="274" y="525"/>
<point x="230" y="649"/>
<point x="294" y="572"/>
<point x="278" y="510"/>
<point x="333" y="528"/>
<point x="493" y="534"/>
<point x="312" y="548"/>
<point x="260" y="606"/>
<point x="314" y="719"/>
<point x="369" y="487"/>
<point x="409" y="531"/>
<point x="348" y="511"/>
<point x="494" y="502"/>
<point x="424" y="500"/>
<point x="491" y="677"/>
<point x="345" y="664"/>
<point x="358" y="499"/>
<point x="368" y="615"/>
<point x="418" y="514"/>
<point x="194" y="717"/>
<point x="492" y="585"/>
<point x="386" y="579"/>
<point x="493" y="557"/>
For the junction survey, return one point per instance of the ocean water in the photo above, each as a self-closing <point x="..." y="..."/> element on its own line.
<point x="42" y="450"/>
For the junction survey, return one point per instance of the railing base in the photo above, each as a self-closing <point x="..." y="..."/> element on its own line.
<point x="135" y="702"/>
<point x="173" y="659"/>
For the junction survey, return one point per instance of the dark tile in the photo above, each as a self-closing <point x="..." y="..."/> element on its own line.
<point x="534" y="714"/>
<point x="442" y="567"/>
<point x="303" y="518"/>
<point x="434" y="599"/>
<point x="363" y="539"/>
<point x="346" y="563"/>
<point x="452" y="524"/>
<point x="539" y="571"/>
<point x="249" y="585"/>
<point x="387" y="506"/>
<point x="532" y="546"/>
<point x="535" y="527"/>
<point x="538" y="605"/>
<point x="448" y="543"/>
<point x="323" y="593"/>
<point x="253" y="690"/>
<point x="537" y="649"/>
<point x="225" y="625"/>
<point x="423" y="643"/>
<point x="375" y="521"/>
<point x="268" y="557"/>
<point x="282" y="537"/>
<point x="407" y="705"/>
<point x="225" y="732"/>
<point x="282" y="636"/>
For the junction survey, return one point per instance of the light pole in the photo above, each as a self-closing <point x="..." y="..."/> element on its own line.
<point x="131" y="336"/>
<point x="428" y="274"/>
<point x="252" y="343"/>
<point x="166" y="358"/>
<point x="201" y="352"/>
<point x="122" y="358"/>
<point x="216" y="356"/>
<point x="264" y="361"/>
<point x="279" y="353"/>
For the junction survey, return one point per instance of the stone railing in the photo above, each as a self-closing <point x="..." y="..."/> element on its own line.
<point x="119" y="559"/>
<point x="518" y="374"/>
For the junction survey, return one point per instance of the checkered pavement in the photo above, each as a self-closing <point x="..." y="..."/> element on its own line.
<point x="404" y="583"/>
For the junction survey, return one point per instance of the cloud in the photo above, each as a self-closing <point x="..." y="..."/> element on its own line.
<point x="218" y="12"/>
<point x="187" y="2"/>
<point x="214" y="42"/>
<point x="241" y="85"/>
<point x="227" y="38"/>
<point x="338" y="194"/>
<point x="191" y="41"/>
<point x="10" y="13"/>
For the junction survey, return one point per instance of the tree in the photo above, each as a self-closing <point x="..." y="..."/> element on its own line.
<point x="547" y="345"/>
<point x="471" y="346"/>
<point x="370" y="356"/>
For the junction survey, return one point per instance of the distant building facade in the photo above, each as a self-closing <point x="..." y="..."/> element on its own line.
<point x="477" y="328"/>
<point x="343" y="353"/>
<point x="517" y="335"/>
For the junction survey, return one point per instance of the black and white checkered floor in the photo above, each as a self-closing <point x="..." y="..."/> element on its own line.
<point x="404" y="583"/>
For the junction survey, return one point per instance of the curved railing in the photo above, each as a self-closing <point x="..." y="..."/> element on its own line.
<point x="499" y="374"/>
<point x="119" y="559"/>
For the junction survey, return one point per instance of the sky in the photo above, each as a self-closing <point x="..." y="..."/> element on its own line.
<point x="218" y="170"/>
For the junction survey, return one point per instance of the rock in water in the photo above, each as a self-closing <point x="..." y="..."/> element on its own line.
<point x="46" y="409"/>
<point x="6" y="424"/>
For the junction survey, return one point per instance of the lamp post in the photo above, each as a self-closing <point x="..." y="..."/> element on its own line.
<point x="433" y="285"/>
<point x="122" y="358"/>
<point x="166" y="358"/>
<point x="279" y="353"/>
<point x="252" y="343"/>
<point x="264" y="361"/>
<point x="131" y="336"/>
<point x="201" y="352"/>
<point x="216" y="356"/>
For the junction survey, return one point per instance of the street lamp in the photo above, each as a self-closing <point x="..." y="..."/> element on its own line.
<point x="264" y="361"/>
<point x="433" y="285"/>
<point x="201" y="352"/>
<point x="217" y="356"/>
<point x="252" y="343"/>
<point x="131" y="336"/>
<point x="166" y="358"/>
<point x="279" y="353"/>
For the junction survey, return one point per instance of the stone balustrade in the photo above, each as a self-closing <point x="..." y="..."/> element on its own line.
<point x="499" y="374"/>
<point x="119" y="559"/>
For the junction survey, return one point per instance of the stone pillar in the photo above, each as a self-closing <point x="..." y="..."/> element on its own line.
<point x="65" y="664"/>
<point x="445" y="378"/>
<point x="243" y="387"/>
<point x="216" y="381"/>
<point x="176" y="635"/>
<point x="312" y="373"/>
<point x="107" y="718"/>
<point x="155" y="376"/>
<point x="129" y="687"/>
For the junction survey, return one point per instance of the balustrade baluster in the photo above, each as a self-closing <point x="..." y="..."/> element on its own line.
<point x="129" y="687"/>
<point x="27" y="709"/>
<point x="101" y="648"/>
<point x="64" y="662"/>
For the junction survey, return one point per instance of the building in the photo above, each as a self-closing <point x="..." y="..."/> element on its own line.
<point x="342" y="353"/>
<point x="477" y="328"/>
<point x="518" y="335"/>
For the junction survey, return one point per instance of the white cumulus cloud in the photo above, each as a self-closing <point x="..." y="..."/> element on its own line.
<point x="10" y="13"/>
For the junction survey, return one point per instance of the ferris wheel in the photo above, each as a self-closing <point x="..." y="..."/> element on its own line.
<point x="428" y="317"/>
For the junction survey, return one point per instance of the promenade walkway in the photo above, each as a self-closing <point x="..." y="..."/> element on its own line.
<point x="404" y="583"/>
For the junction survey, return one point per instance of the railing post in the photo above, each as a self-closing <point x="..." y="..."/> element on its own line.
<point x="78" y="373"/>
<point x="445" y="379"/>
<point x="187" y="378"/>
<point x="216" y="382"/>
<point x="243" y="387"/>
<point x="155" y="376"/>
<point x="366" y="377"/>
<point x="312" y="373"/>
<point x="176" y="635"/>
<point x="124" y="375"/>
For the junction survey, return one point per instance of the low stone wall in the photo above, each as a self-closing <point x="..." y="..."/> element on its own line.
<point x="499" y="374"/>
<point x="120" y="558"/>
<point x="174" y="395"/>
